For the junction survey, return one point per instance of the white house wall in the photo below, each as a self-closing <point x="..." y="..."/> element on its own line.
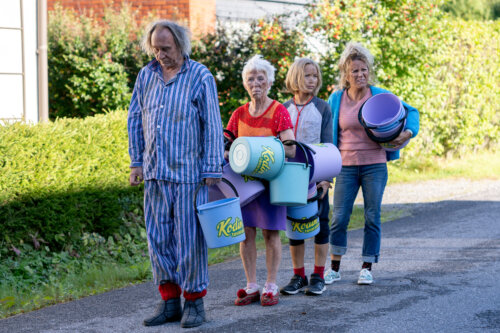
<point x="248" y="10"/>
<point x="31" y="60"/>
<point x="18" y="80"/>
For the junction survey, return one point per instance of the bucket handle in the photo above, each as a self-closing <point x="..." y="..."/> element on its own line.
<point x="312" y="218"/>
<point x="200" y="184"/>
<point x="309" y="219"/>
<point x="228" y="141"/>
<point x="319" y="192"/>
<point x="306" y="146"/>
<point x="298" y="144"/>
<point x="373" y="137"/>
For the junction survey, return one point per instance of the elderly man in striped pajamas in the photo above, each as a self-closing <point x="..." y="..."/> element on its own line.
<point x="175" y="141"/>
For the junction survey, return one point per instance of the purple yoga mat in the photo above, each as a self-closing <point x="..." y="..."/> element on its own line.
<point x="248" y="188"/>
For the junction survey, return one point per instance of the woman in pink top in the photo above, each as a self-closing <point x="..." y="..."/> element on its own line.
<point x="364" y="162"/>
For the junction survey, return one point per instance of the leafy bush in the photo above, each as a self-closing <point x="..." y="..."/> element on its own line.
<point x="418" y="52"/>
<point x="396" y="32"/>
<point x="419" y="56"/>
<point x="92" y="63"/>
<point x="461" y="95"/>
<point x="473" y="9"/>
<point x="61" y="179"/>
<point x="226" y="51"/>
<point x="93" y="264"/>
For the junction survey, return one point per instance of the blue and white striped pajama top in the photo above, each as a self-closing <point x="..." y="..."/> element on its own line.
<point x="175" y="135"/>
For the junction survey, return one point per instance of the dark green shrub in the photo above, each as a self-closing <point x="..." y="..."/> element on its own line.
<point x="226" y="51"/>
<point x="473" y="9"/>
<point x="92" y="63"/>
<point x="60" y="179"/>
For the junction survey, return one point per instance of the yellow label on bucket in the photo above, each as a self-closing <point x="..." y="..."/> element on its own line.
<point x="319" y="145"/>
<point x="249" y="178"/>
<point x="227" y="229"/>
<point x="305" y="228"/>
<point x="266" y="156"/>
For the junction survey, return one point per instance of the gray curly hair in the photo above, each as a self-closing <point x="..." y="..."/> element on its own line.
<point x="354" y="51"/>
<point x="258" y="63"/>
<point x="181" y="36"/>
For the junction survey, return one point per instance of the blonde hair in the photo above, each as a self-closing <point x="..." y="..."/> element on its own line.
<point x="295" y="78"/>
<point x="354" y="51"/>
<point x="181" y="36"/>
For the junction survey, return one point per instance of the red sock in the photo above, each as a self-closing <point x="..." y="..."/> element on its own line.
<point x="169" y="290"/>
<point x="300" y="272"/>
<point x="319" y="270"/>
<point x="194" y="296"/>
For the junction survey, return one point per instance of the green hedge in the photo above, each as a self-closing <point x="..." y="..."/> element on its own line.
<point x="60" y="179"/>
<point x="473" y="9"/>
<point x="459" y="93"/>
<point x="92" y="63"/>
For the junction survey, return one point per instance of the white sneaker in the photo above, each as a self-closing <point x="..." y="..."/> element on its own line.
<point x="365" y="277"/>
<point x="331" y="276"/>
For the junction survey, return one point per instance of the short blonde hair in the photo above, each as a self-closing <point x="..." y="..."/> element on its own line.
<point x="295" y="78"/>
<point x="181" y="36"/>
<point x="257" y="63"/>
<point x="354" y="51"/>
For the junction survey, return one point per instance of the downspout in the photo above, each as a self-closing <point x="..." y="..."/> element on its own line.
<point x="43" y="91"/>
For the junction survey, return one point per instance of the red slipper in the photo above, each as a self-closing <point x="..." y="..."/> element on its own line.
<point x="245" y="299"/>
<point x="269" y="299"/>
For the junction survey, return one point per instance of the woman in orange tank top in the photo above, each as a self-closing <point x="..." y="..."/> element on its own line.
<point x="262" y="116"/>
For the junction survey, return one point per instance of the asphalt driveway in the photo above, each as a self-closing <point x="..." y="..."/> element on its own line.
<point x="439" y="272"/>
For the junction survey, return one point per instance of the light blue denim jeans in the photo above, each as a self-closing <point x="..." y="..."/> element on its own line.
<point x="372" y="179"/>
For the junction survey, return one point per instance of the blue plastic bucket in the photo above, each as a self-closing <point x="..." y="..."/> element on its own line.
<point x="311" y="191"/>
<point x="303" y="221"/>
<point x="260" y="157"/>
<point x="290" y="187"/>
<point x="221" y="220"/>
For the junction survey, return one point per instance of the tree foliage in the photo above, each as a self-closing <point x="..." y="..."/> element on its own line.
<point x="92" y="62"/>
<point x="473" y="9"/>
<point x="418" y="49"/>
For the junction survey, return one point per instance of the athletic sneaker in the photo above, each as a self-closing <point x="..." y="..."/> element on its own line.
<point x="331" y="276"/>
<point x="317" y="285"/>
<point x="295" y="285"/>
<point x="365" y="277"/>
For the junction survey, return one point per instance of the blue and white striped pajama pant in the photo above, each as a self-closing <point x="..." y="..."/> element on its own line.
<point x="177" y="247"/>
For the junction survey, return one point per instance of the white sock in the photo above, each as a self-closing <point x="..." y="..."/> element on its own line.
<point x="252" y="287"/>
<point x="270" y="287"/>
